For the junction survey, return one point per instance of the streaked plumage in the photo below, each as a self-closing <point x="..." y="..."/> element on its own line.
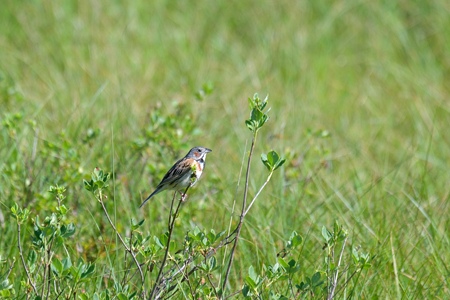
<point x="184" y="172"/>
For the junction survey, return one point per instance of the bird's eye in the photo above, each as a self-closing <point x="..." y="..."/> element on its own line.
<point x="198" y="150"/>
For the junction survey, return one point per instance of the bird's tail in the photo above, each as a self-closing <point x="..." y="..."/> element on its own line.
<point x="148" y="198"/>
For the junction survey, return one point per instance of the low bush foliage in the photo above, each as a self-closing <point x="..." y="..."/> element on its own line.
<point x="160" y="266"/>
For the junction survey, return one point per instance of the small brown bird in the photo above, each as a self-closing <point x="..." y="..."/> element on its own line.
<point x="184" y="172"/>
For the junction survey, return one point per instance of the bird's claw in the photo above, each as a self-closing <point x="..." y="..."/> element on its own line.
<point x="183" y="197"/>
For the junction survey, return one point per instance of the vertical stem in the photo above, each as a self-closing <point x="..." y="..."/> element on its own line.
<point x="241" y="218"/>
<point x="259" y="192"/>
<point x="170" y="225"/>
<point x="330" y="261"/>
<point x="336" y="273"/>
<point x="167" y="248"/>
<point x="23" y="260"/>
<point x="49" y="281"/>
<point x="130" y="250"/>
<point x="125" y="274"/>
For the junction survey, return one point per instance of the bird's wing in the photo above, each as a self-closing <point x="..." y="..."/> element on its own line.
<point x="178" y="170"/>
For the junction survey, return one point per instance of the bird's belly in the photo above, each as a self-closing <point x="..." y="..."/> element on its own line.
<point x="183" y="182"/>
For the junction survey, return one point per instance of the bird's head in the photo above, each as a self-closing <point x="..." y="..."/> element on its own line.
<point x="198" y="153"/>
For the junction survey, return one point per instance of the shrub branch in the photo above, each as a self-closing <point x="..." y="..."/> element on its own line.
<point x="19" y="245"/>
<point x="170" y="226"/>
<point x="128" y="249"/>
<point x="242" y="216"/>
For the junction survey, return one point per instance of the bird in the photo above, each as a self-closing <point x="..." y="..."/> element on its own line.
<point x="185" y="172"/>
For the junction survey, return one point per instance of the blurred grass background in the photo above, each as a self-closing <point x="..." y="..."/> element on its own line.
<point x="374" y="75"/>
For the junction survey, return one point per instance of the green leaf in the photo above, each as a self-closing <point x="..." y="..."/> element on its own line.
<point x="302" y="286"/>
<point x="74" y="272"/>
<point x="220" y="234"/>
<point x="83" y="297"/>
<point x="257" y="115"/>
<point x="272" y="160"/>
<point x="67" y="230"/>
<point x="63" y="209"/>
<point x="87" y="270"/>
<point x="212" y="263"/>
<point x="273" y="157"/>
<point x="315" y="279"/>
<point x="97" y="174"/>
<point x="88" y="185"/>
<point x="136" y="225"/>
<point x="67" y="264"/>
<point x="158" y="242"/>
<point x="172" y="246"/>
<point x="5" y="293"/>
<point x="250" y="125"/>
<point x="274" y="269"/>
<point x="207" y="89"/>
<point x="250" y="282"/>
<point x="246" y="291"/>
<point x="294" y="240"/>
<point x="99" y="183"/>
<point x="293" y="266"/>
<point x="252" y="273"/>
<point x="256" y="102"/>
<point x="31" y="260"/>
<point x="266" y="162"/>
<point x="164" y="238"/>
<point x="211" y="236"/>
<point x="122" y="296"/>
<point x="14" y="210"/>
<point x="326" y="234"/>
<point x="5" y="285"/>
<point x="283" y="263"/>
<point x="57" y="266"/>
<point x="279" y="163"/>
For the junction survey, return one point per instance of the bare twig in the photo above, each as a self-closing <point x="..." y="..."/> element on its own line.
<point x="166" y="279"/>
<point x="170" y="226"/>
<point x="208" y="276"/>
<point x="49" y="274"/>
<point x="128" y="249"/>
<point x="233" y="294"/>
<point x="47" y="269"/>
<point x="259" y="192"/>
<point x="186" y="278"/>
<point x="23" y="260"/>
<point x="345" y="284"/>
<point x="336" y="274"/>
<point x="125" y="274"/>
<point x="10" y="269"/>
<point x="241" y="219"/>
<point x="234" y="203"/>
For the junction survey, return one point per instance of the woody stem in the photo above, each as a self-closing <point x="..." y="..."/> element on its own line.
<point x="170" y="226"/>
<point x="241" y="218"/>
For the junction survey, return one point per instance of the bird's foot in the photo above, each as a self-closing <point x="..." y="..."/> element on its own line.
<point x="183" y="197"/>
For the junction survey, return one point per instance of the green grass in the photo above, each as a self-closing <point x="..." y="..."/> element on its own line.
<point x="373" y="75"/>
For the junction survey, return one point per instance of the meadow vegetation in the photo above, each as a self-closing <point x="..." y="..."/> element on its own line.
<point x="98" y="99"/>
